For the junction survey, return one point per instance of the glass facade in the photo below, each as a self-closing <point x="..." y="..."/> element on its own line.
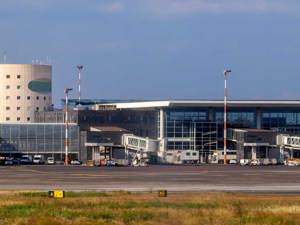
<point x="284" y="118"/>
<point x="237" y="119"/>
<point x="37" y="138"/>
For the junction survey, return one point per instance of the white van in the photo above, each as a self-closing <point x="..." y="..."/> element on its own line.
<point x="38" y="159"/>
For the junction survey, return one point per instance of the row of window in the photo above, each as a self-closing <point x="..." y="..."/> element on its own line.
<point x="28" y="97"/>
<point x="8" y="76"/>
<point x="19" y="108"/>
<point x="18" y="118"/>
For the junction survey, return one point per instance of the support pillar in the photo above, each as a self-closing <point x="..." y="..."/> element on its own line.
<point x="162" y="146"/>
<point x="253" y="152"/>
<point x="281" y="153"/>
<point x="267" y="152"/>
<point x="258" y="118"/>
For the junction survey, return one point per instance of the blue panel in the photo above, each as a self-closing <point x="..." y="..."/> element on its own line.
<point x="40" y="85"/>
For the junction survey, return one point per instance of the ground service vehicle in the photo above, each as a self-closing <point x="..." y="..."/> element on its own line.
<point x="38" y="159"/>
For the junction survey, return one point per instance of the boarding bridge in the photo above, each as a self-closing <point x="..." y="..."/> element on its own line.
<point x="291" y="143"/>
<point x="139" y="149"/>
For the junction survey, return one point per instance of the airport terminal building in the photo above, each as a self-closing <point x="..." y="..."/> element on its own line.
<point x="182" y="126"/>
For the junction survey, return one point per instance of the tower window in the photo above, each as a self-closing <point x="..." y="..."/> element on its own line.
<point x="7" y="97"/>
<point x="7" y="108"/>
<point x="18" y="108"/>
<point x="37" y="97"/>
<point x="7" y="118"/>
<point x="28" y="118"/>
<point x="45" y="98"/>
<point x="28" y="97"/>
<point x="18" y="76"/>
<point x="18" y="118"/>
<point x="7" y="76"/>
<point x="19" y="86"/>
<point x="37" y="109"/>
<point x="7" y="87"/>
<point x="18" y="97"/>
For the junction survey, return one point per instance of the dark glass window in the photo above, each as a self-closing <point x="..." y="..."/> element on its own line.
<point x="7" y="76"/>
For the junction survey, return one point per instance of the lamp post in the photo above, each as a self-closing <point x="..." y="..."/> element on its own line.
<point x="225" y="115"/>
<point x="67" y="90"/>
<point x="79" y="67"/>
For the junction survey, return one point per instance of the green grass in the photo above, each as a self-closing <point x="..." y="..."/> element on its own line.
<point x="147" y="208"/>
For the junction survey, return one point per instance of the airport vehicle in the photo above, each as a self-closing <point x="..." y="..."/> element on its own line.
<point x="8" y="162"/>
<point x="189" y="157"/>
<point x="75" y="162"/>
<point x="232" y="161"/>
<point x="38" y="159"/>
<point x="50" y="161"/>
<point x="25" y="159"/>
<point x="244" y="162"/>
<point x="255" y="162"/>
<point x="292" y="162"/>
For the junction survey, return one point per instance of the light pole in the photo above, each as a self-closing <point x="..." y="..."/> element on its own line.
<point x="225" y="115"/>
<point x="79" y="67"/>
<point x="67" y="90"/>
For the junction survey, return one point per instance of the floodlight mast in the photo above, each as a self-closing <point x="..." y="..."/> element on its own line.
<point x="226" y="72"/>
<point x="67" y="90"/>
<point x="79" y="67"/>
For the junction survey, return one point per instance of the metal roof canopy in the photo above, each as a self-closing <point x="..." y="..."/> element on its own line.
<point x="207" y="103"/>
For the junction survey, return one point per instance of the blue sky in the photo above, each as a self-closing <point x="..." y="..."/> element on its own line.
<point x="159" y="49"/>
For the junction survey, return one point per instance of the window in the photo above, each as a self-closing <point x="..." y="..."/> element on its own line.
<point x="28" y="97"/>
<point x="7" y="87"/>
<point x="18" y="76"/>
<point x="37" y="109"/>
<point x="18" y="86"/>
<point x="18" y="108"/>
<point x="7" y="108"/>
<point x="45" y="98"/>
<point x="18" y="118"/>
<point x="7" y="97"/>
<point x="7" y="76"/>
<point x="18" y="97"/>
<point x="7" y="118"/>
<point x="28" y="118"/>
<point x="37" y="97"/>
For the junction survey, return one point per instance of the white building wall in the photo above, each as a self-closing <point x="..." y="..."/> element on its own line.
<point x="22" y="91"/>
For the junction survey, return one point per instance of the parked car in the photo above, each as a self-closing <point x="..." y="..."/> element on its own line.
<point x="75" y="162"/>
<point x="8" y="162"/>
<point x="25" y="159"/>
<point x="50" y="161"/>
<point x="38" y="159"/>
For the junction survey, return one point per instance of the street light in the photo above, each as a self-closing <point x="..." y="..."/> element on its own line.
<point x="79" y="67"/>
<point x="225" y="115"/>
<point x="67" y="90"/>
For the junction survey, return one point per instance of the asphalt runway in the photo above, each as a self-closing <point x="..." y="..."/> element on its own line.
<point x="172" y="178"/>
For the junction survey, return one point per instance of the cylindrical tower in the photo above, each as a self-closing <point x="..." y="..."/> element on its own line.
<point x="24" y="89"/>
